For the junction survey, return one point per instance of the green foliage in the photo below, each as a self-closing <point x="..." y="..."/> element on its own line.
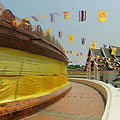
<point x="75" y="67"/>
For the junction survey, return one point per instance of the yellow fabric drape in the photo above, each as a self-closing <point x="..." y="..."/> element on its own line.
<point x="29" y="86"/>
<point x="15" y="62"/>
<point x="25" y="75"/>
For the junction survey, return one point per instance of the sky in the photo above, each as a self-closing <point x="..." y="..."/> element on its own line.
<point x="103" y="33"/>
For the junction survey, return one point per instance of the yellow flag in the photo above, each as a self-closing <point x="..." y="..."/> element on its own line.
<point x="102" y="16"/>
<point x="93" y="44"/>
<point x="82" y="55"/>
<point x="76" y="52"/>
<point x="72" y="53"/>
<point x="113" y="51"/>
<point x="71" y="38"/>
<point x="48" y="31"/>
<point x="43" y="15"/>
<point x="66" y="15"/>
<point x="66" y="50"/>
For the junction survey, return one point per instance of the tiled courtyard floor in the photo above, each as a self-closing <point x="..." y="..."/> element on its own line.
<point x="82" y="103"/>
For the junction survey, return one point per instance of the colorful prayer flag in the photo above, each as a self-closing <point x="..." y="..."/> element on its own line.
<point x="52" y="17"/>
<point x="66" y="15"/>
<point x="83" y="41"/>
<point x="41" y="18"/>
<point x="60" y="34"/>
<point x="72" y="53"/>
<point x="38" y="28"/>
<point x="67" y="52"/>
<point x="82" y="55"/>
<point x="35" y="18"/>
<point x="43" y="15"/>
<point x="104" y="46"/>
<point x="102" y="16"/>
<point x="71" y="38"/>
<point x="48" y="31"/>
<point x="82" y="15"/>
<point x="113" y="51"/>
<point x="76" y="52"/>
<point x="93" y="45"/>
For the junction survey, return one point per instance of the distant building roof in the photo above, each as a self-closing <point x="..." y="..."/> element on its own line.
<point x="103" y="58"/>
<point x="108" y="53"/>
<point x="97" y="52"/>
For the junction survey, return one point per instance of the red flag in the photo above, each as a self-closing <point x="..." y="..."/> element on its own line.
<point x="53" y="17"/>
<point x="60" y="34"/>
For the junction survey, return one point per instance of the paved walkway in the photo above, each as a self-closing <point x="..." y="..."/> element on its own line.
<point x="82" y="103"/>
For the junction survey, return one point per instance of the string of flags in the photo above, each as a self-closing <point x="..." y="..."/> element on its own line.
<point x="97" y="58"/>
<point x="71" y="37"/>
<point x="82" y="17"/>
<point x="102" y="17"/>
<point x="73" y="53"/>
